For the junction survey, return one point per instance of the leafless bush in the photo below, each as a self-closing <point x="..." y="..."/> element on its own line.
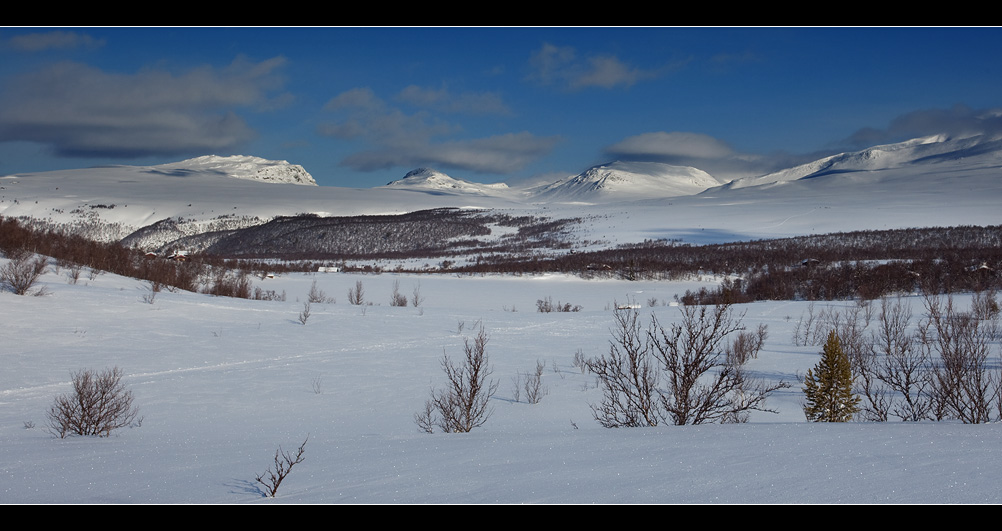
<point x="903" y="364"/>
<point x="747" y="345"/>
<point x="699" y="386"/>
<point x="152" y="289"/>
<point x="284" y="461"/>
<point x="546" y="306"/>
<point x="628" y="376"/>
<point x="397" y="298"/>
<point x="533" y="386"/>
<point x="22" y="271"/>
<point x="305" y="314"/>
<point x="99" y="404"/>
<point x="416" y="297"/>
<point x="356" y="295"/>
<point x="317" y="295"/>
<point x="230" y="284"/>
<point x="465" y="402"/>
<point x="531" y="383"/>
<point x="580" y="361"/>
<point x="965" y="385"/>
<point x="74" y="274"/>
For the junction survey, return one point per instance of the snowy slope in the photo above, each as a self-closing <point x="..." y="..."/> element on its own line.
<point x="935" y="181"/>
<point x="221" y="384"/>
<point x="241" y="167"/>
<point x="436" y="182"/>
<point x="620" y="181"/>
<point x="919" y="151"/>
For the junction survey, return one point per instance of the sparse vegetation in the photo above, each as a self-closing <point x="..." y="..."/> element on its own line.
<point x="356" y="295"/>
<point x="318" y="296"/>
<point x="284" y="461"/>
<point x="99" y="404"/>
<point x="676" y="375"/>
<point x="305" y="314"/>
<point x="546" y="306"/>
<point x="22" y="271"/>
<point x="464" y="403"/>
<point x="397" y="298"/>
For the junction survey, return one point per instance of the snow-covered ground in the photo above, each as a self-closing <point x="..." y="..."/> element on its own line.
<point x="222" y="383"/>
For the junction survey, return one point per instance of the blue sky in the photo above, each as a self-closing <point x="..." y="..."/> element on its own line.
<point x="360" y="107"/>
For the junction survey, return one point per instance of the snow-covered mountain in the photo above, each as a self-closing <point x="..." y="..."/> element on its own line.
<point x="919" y="151"/>
<point x="619" y="181"/>
<point x="241" y="167"/>
<point x="432" y="181"/>
<point x="932" y="181"/>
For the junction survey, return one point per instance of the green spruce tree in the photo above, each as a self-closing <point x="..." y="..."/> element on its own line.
<point x="828" y="387"/>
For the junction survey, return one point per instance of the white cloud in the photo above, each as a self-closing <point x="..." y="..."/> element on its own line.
<point x="79" y="110"/>
<point x="559" y="65"/>
<point x="443" y="100"/>
<point x="393" y="138"/>
<point x="697" y="150"/>
<point x="674" y="144"/>
<point x="957" y="120"/>
<point x="53" y="40"/>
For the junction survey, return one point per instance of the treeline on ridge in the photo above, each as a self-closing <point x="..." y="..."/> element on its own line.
<point x="860" y="264"/>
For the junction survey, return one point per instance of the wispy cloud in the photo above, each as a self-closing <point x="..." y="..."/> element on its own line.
<point x="53" y="40"/>
<point x="957" y="120"/>
<point x="696" y="150"/>
<point x="393" y="138"/>
<point x="443" y="100"/>
<point x="560" y="66"/>
<point x="79" y="110"/>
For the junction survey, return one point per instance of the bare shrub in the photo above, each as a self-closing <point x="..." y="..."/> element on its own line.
<point x="99" y="404"/>
<point x="964" y="384"/>
<point x="74" y="274"/>
<point x="464" y="404"/>
<point x="903" y="364"/>
<point x="531" y="383"/>
<point x="284" y="461"/>
<point x="580" y="361"/>
<point x="22" y="271"/>
<point x="533" y="386"/>
<point x="152" y="289"/>
<point x="317" y="295"/>
<point x="397" y="298"/>
<point x="747" y="345"/>
<point x="416" y="297"/>
<point x="230" y="284"/>
<point x="628" y="376"/>
<point x="546" y="306"/>
<point x="356" y="295"/>
<point x="699" y="386"/>
<point x="305" y="314"/>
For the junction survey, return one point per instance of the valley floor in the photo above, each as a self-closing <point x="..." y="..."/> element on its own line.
<point x="223" y="383"/>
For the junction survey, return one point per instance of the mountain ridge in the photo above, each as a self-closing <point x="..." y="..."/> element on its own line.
<point x="931" y="181"/>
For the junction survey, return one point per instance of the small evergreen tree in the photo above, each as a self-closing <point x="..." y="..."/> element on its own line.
<point x="828" y="387"/>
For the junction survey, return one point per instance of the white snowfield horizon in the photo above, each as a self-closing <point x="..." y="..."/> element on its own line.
<point x="222" y="383"/>
<point x="933" y="181"/>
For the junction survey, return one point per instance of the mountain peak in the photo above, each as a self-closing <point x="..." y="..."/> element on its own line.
<point x="428" y="179"/>
<point x="244" y="167"/>
<point x="630" y="180"/>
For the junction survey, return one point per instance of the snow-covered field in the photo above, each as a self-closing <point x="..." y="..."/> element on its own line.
<point x="223" y="383"/>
